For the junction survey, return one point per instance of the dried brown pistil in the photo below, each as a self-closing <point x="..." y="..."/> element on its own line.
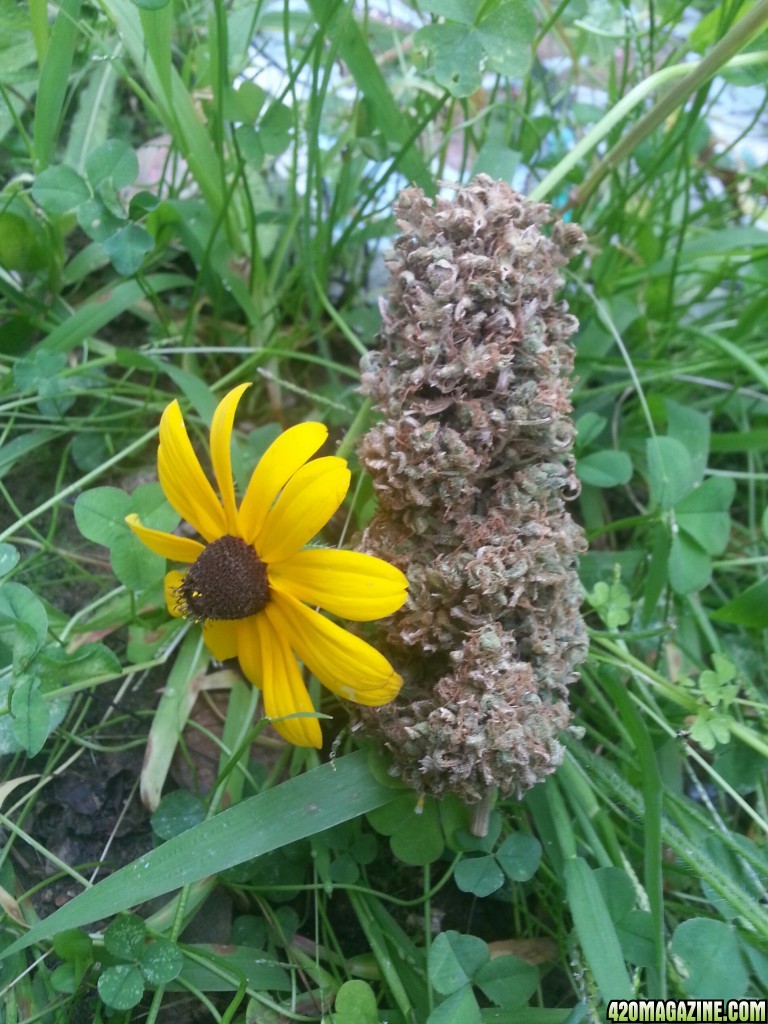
<point x="228" y="581"/>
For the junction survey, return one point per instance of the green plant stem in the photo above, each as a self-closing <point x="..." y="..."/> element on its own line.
<point x="379" y="948"/>
<point x="79" y="484"/>
<point x="427" y="910"/>
<point x="355" y="429"/>
<point x="692" y="76"/>
<point x="623" y="659"/>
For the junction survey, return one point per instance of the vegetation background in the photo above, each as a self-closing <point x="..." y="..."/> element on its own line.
<point x="199" y="192"/>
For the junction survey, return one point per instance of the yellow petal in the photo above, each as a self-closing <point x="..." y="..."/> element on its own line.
<point x="178" y="549"/>
<point x="284" y="690"/>
<point x="171" y="584"/>
<point x="344" y="663"/>
<point x="220" y="638"/>
<point x="249" y="650"/>
<point x="346" y="583"/>
<point x="275" y="468"/>
<point x="305" y="505"/>
<point x="183" y="481"/>
<point x="221" y="453"/>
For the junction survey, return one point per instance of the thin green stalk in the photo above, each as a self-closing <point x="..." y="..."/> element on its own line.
<point x="354" y="430"/>
<point x="677" y="694"/>
<point x="692" y="78"/>
<point x="78" y="485"/>
<point x="382" y="954"/>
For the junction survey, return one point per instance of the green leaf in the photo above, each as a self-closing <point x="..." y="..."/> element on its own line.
<point x="690" y="567"/>
<point x="479" y="875"/>
<point x="460" y="1008"/>
<point x="135" y="565"/>
<point x="21" y="447"/>
<point x="125" y="937"/>
<point x="711" y="954"/>
<point x="9" y="557"/>
<point x="127" y="248"/>
<point x="461" y="49"/>
<point x="455" y="56"/>
<point x="658" y="570"/>
<point x="355" y="1004"/>
<point x="100" y="514"/>
<point x="703" y="514"/>
<point x="30" y="372"/>
<point x="617" y="890"/>
<point x="413" y="827"/>
<point x="588" y="428"/>
<point x="104" y="306"/>
<point x="55" y="398"/>
<point x="464" y="11"/>
<point x="239" y="961"/>
<point x="342" y="870"/>
<point x="469" y="843"/>
<point x="420" y="840"/>
<point x="65" y="978"/>
<point x="671" y="472"/>
<point x="637" y="937"/>
<point x="31" y="718"/>
<point x="713" y="682"/>
<point x="113" y="159"/>
<point x="23" y="243"/>
<point x="89" y="451"/>
<point x="748" y="609"/>
<point x="60" y="189"/>
<point x="508" y="981"/>
<point x="121" y="987"/>
<point x="606" y="468"/>
<point x="454" y="960"/>
<point x="309" y="803"/>
<point x="519" y="856"/>
<point x="275" y="129"/>
<point x="244" y="103"/>
<point x="692" y="429"/>
<point x="141" y="203"/>
<point x="150" y="504"/>
<point x="53" y="88"/>
<point x="25" y="648"/>
<point x="19" y="605"/>
<point x="161" y="962"/>
<point x="97" y="221"/>
<point x="58" y="666"/>
<point x="611" y="602"/>
<point x="595" y="930"/>
<point x="507" y="34"/>
<point x="497" y="160"/>
<point x="177" y="812"/>
<point x="73" y="945"/>
<point x="710" y="729"/>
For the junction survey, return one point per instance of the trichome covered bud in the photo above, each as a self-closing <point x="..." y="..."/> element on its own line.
<point x="471" y="464"/>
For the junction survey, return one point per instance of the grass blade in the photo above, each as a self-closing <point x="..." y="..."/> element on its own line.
<point x="595" y="931"/>
<point x="302" y="806"/>
<point x="54" y="75"/>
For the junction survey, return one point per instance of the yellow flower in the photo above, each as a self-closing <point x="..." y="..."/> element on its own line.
<point x="252" y="584"/>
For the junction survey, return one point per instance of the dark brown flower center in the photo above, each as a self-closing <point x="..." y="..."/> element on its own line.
<point x="228" y="581"/>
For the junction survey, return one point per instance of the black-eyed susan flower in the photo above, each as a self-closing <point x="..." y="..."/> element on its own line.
<point x="254" y="586"/>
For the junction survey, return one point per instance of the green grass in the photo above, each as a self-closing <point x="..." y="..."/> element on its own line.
<point x="326" y="893"/>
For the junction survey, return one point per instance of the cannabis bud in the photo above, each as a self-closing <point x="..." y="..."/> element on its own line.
<point x="471" y="465"/>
